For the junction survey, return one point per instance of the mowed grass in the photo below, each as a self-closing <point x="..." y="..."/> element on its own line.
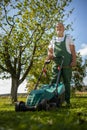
<point x="72" y="118"/>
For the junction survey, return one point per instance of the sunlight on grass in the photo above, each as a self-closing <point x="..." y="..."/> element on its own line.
<point x="72" y="118"/>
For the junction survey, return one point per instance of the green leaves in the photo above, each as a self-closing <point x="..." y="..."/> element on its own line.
<point x="78" y="73"/>
<point x="27" y="32"/>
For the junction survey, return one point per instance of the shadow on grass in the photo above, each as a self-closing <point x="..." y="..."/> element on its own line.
<point x="72" y="118"/>
<point x="59" y="119"/>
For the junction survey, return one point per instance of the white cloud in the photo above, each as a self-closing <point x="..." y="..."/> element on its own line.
<point x="83" y="45"/>
<point x="83" y="50"/>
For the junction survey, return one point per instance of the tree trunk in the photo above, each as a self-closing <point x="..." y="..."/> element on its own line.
<point x="14" y="88"/>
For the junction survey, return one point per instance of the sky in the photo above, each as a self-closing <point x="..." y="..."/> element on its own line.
<point x="79" y="19"/>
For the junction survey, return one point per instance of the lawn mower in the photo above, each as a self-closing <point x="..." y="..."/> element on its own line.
<point x="46" y="97"/>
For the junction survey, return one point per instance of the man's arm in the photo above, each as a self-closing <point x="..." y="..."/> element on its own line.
<point x="73" y="53"/>
<point x="50" y="54"/>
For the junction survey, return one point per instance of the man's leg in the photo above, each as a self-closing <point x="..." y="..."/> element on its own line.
<point x="67" y="73"/>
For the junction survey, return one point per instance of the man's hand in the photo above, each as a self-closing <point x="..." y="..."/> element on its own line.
<point x="73" y="64"/>
<point x="50" y="54"/>
<point x="47" y="61"/>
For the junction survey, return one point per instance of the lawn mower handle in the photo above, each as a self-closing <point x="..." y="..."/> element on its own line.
<point x="47" y="62"/>
<point x="59" y="73"/>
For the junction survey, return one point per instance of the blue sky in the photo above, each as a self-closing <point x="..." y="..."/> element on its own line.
<point x="79" y="19"/>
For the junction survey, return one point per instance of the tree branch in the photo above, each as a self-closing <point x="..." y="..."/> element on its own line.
<point x="19" y="62"/>
<point x="6" y="15"/>
<point x="31" y="61"/>
<point x="7" y="60"/>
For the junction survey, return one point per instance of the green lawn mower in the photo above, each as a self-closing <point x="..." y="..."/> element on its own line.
<point x="45" y="98"/>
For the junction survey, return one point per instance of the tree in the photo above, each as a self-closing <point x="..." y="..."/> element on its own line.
<point x="26" y="27"/>
<point x="85" y="65"/>
<point x="79" y="73"/>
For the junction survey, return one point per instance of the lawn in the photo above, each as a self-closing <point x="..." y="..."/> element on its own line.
<point x="72" y="118"/>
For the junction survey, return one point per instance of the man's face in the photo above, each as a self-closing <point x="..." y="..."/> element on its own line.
<point x="60" y="28"/>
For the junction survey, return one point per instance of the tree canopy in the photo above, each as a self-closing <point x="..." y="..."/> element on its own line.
<point x="26" y="28"/>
